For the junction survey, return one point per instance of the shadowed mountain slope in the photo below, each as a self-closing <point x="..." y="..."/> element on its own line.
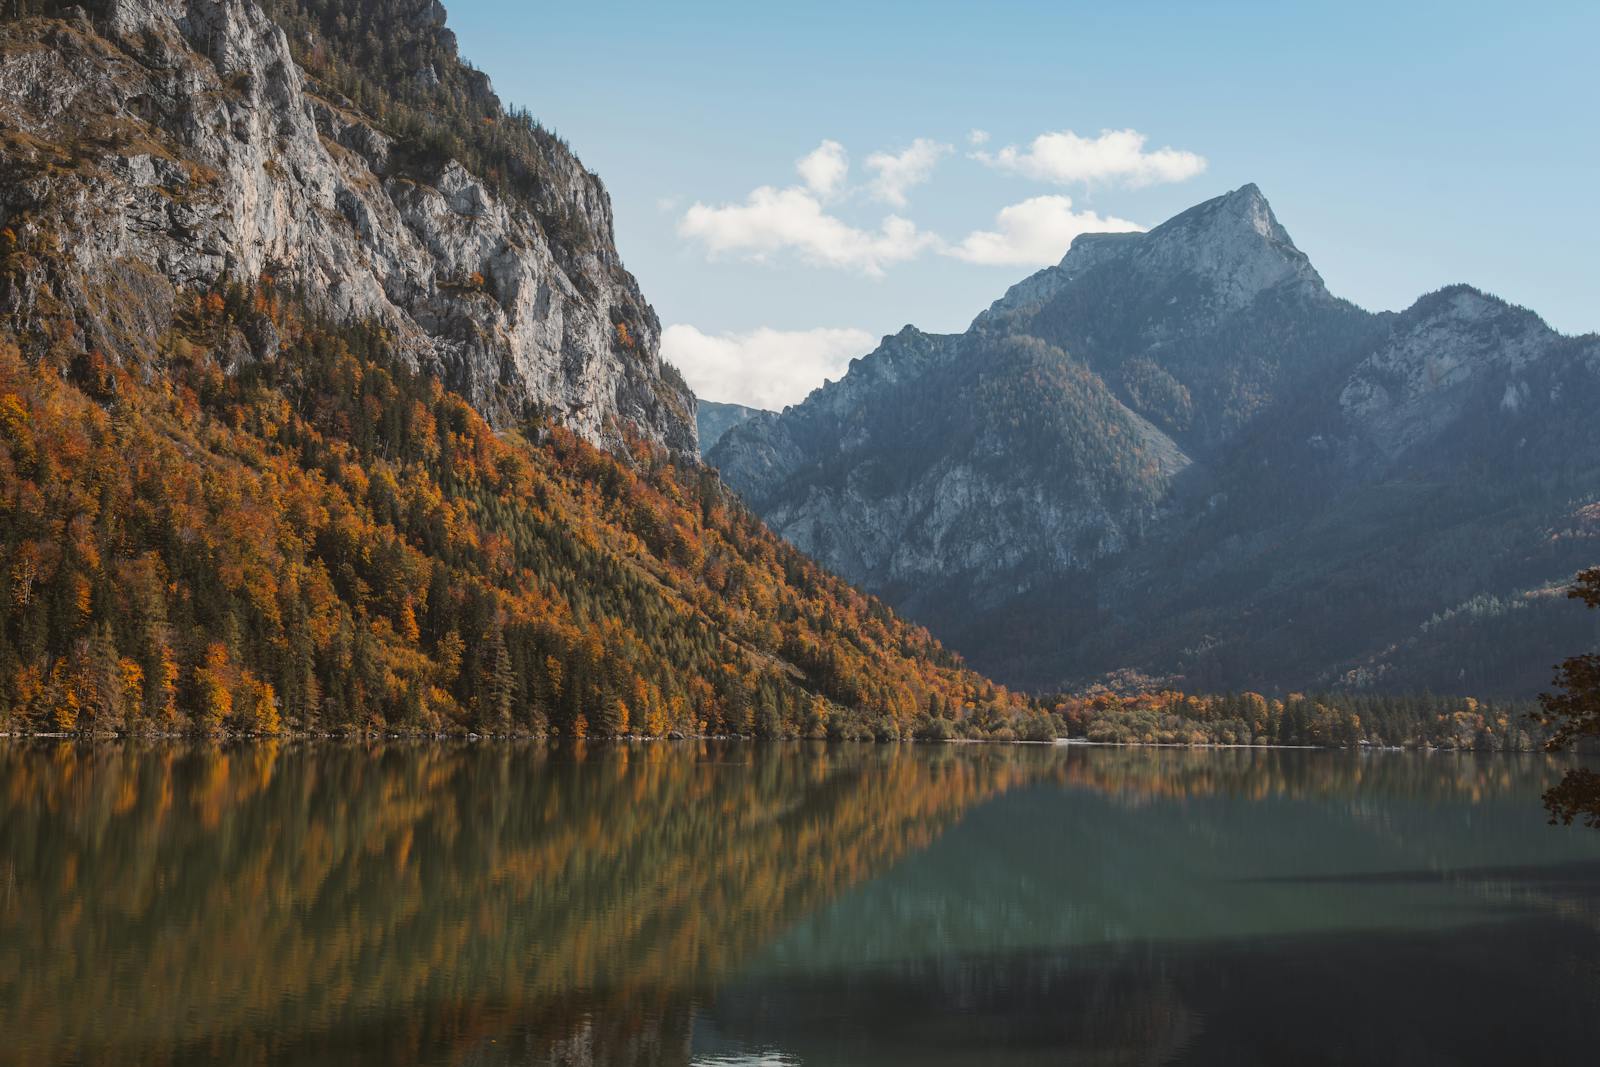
<point x="1175" y="452"/>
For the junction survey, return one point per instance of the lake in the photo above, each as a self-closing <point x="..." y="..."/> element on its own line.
<point x="704" y="903"/>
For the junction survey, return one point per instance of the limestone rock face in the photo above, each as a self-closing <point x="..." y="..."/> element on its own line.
<point x="169" y="144"/>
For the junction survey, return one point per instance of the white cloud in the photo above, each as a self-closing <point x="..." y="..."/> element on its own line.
<point x="1114" y="156"/>
<point x="895" y="172"/>
<point x="763" y="368"/>
<point x="1035" y="233"/>
<point x="774" y="220"/>
<point x="977" y="137"/>
<point x="824" y="168"/>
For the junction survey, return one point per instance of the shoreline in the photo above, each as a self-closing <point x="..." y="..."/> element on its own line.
<point x="550" y="740"/>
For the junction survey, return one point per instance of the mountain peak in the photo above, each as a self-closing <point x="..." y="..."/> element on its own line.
<point x="1233" y="243"/>
<point x="1242" y="213"/>
<point x="1249" y="194"/>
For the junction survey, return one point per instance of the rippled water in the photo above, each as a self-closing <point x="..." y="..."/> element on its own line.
<point x="786" y="904"/>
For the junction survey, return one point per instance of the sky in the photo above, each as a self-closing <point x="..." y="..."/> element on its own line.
<point x="792" y="182"/>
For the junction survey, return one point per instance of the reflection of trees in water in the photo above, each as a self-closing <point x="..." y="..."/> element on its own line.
<point x="394" y="901"/>
<point x="1140" y="775"/>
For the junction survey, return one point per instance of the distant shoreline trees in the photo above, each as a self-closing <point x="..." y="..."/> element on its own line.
<point x="1330" y="720"/>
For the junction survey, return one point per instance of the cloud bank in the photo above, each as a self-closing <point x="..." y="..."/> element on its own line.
<point x="762" y="368"/>
<point x="1035" y="233"/>
<point x="776" y="220"/>
<point x="772" y="220"/>
<point x="1116" y="156"/>
<point x="798" y="220"/>
<point x="895" y="172"/>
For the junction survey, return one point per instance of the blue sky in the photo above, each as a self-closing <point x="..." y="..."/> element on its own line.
<point x="1405" y="146"/>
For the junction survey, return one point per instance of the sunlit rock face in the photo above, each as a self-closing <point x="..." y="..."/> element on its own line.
<point x="175" y="143"/>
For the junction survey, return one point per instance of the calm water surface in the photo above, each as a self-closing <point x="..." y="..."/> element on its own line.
<point x="789" y="904"/>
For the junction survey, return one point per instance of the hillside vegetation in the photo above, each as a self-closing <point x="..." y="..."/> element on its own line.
<point x="328" y="541"/>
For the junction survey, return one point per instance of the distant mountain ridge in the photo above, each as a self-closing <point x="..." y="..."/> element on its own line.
<point x="1176" y="453"/>
<point x="713" y="419"/>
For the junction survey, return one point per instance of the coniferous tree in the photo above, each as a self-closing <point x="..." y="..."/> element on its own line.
<point x="498" y="694"/>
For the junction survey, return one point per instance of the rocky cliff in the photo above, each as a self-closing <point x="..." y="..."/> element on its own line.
<point x="149" y="147"/>
<point x="240" y="247"/>
<point x="1177" y="452"/>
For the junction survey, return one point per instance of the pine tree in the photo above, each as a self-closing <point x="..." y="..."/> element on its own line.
<point x="107" y="681"/>
<point x="499" y="694"/>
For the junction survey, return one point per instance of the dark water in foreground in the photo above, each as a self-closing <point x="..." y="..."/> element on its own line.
<point x="786" y="904"/>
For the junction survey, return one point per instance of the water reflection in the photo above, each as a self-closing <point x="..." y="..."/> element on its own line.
<point x="1521" y="993"/>
<point x="783" y="903"/>
<point x="392" y="903"/>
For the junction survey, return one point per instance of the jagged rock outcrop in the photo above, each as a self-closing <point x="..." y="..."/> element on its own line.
<point x="1177" y="452"/>
<point x="152" y="145"/>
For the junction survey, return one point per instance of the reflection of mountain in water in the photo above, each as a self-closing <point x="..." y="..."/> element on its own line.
<point x="1205" y="907"/>
<point x="1145" y="844"/>
<point x="1515" y="993"/>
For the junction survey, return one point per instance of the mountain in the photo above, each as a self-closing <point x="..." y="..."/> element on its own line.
<point x="327" y="406"/>
<point x="1175" y="454"/>
<point x="177" y="143"/>
<point x="713" y="420"/>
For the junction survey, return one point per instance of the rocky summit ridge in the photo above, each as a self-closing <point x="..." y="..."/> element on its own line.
<point x="1232" y="245"/>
